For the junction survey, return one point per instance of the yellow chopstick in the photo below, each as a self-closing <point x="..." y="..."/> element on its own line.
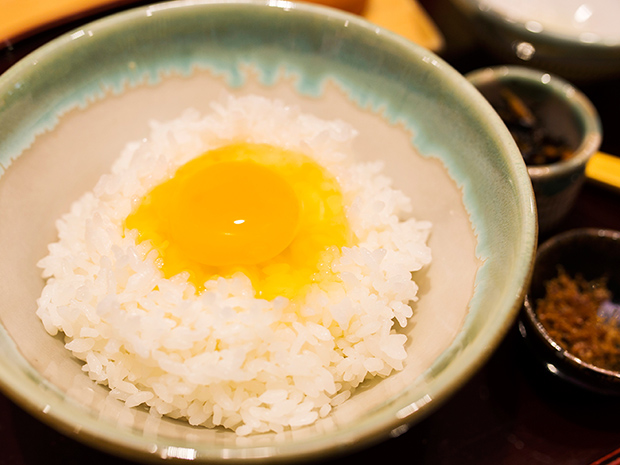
<point x="605" y="169"/>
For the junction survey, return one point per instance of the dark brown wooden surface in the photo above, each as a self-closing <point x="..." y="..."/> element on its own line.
<point x="510" y="412"/>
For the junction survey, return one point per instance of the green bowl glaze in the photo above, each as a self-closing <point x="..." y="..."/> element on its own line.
<point x="67" y="110"/>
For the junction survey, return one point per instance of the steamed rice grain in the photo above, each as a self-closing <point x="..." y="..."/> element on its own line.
<point x="223" y="357"/>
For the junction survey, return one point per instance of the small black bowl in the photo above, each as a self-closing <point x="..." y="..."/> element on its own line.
<point x="593" y="253"/>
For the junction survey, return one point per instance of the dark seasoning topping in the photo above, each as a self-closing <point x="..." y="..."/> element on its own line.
<point x="582" y="318"/>
<point x="537" y="145"/>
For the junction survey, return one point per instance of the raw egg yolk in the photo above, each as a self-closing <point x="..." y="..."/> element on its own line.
<point x="273" y="214"/>
<point x="233" y="213"/>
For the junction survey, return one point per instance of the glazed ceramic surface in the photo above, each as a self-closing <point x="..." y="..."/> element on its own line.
<point x="572" y="38"/>
<point x="588" y="22"/>
<point x="569" y="116"/>
<point x="67" y="110"/>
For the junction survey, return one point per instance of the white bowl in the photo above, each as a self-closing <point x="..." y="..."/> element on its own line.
<point x="577" y="40"/>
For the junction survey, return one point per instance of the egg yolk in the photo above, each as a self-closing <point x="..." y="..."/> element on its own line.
<point x="233" y="213"/>
<point x="273" y="214"/>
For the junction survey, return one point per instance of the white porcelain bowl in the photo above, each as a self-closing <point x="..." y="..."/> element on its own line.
<point x="575" y="39"/>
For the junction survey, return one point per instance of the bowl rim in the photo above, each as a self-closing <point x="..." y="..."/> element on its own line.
<point x="568" y="93"/>
<point x="366" y="430"/>
<point x="519" y="25"/>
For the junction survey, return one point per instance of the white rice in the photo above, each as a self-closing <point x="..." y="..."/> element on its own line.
<point x="224" y="357"/>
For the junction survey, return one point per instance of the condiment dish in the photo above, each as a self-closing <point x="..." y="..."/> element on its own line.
<point x="592" y="255"/>
<point x="564" y="117"/>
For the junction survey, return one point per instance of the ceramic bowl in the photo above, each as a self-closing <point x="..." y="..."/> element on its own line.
<point x="592" y="253"/>
<point x="568" y="116"/>
<point x="574" y="39"/>
<point x="67" y="110"/>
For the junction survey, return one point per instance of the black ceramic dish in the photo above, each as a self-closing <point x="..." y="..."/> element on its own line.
<point x="591" y="253"/>
<point x="551" y="113"/>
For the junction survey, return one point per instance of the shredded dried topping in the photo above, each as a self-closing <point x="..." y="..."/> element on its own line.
<point x="572" y="312"/>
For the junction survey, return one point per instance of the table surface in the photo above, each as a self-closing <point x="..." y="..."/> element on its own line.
<point x="510" y="412"/>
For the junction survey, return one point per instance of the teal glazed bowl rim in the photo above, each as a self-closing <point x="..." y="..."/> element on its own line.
<point x="573" y="98"/>
<point x="18" y="129"/>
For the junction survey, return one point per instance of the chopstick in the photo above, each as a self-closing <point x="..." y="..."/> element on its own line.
<point x="612" y="458"/>
<point x="604" y="169"/>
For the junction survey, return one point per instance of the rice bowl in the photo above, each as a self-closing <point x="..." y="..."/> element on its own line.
<point x="68" y="110"/>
